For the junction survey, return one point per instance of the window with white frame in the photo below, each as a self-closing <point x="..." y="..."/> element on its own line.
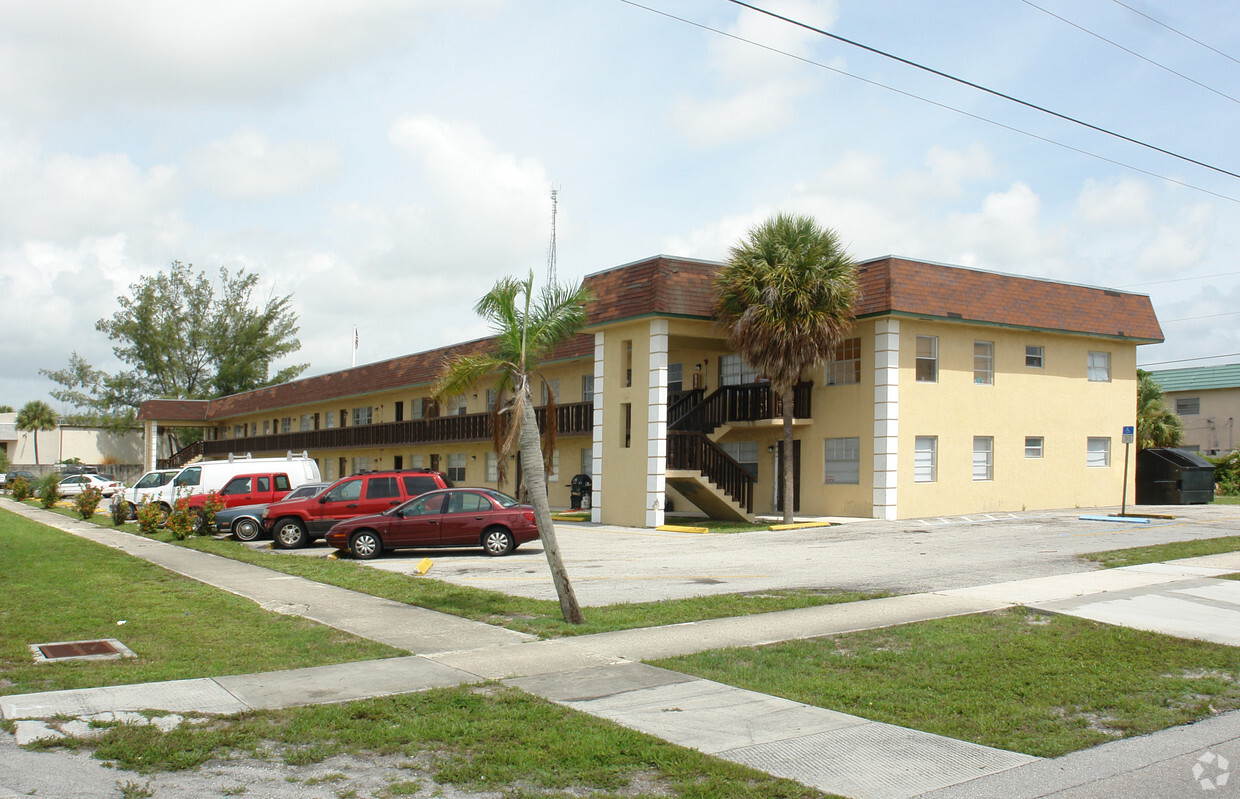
<point x="733" y="371"/>
<point x="1033" y="446"/>
<point x="1034" y="354"/>
<point x="362" y="415"/>
<point x="360" y="464"/>
<point x="1187" y="406"/>
<point x="307" y="422"/>
<point x="927" y="359"/>
<point x="675" y="377"/>
<point x="417" y="462"/>
<point x="842" y="460"/>
<point x="286" y="424"/>
<point x="1099" y="367"/>
<point x="587" y="388"/>
<point x="266" y="427"/>
<point x="743" y="452"/>
<point x="925" y="459"/>
<point x="983" y="458"/>
<point x="1098" y="452"/>
<point x="236" y="431"/>
<point x="456" y="467"/>
<point x="416" y="408"/>
<point x="458" y="405"/>
<point x="550" y="388"/>
<point x="845" y="364"/>
<point x="331" y="420"/>
<point x="492" y="397"/>
<point x="492" y="467"/>
<point x="984" y="363"/>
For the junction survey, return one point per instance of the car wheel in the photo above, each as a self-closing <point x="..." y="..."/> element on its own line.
<point x="246" y="529"/>
<point x="366" y="545"/>
<point x="498" y="541"/>
<point x="133" y="510"/>
<point x="290" y="533"/>
<point x="164" y="513"/>
<point x="200" y="521"/>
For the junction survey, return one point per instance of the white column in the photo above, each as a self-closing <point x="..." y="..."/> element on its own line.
<point x="656" y="426"/>
<point x="150" y="437"/>
<point x="596" y="468"/>
<point x="886" y="416"/>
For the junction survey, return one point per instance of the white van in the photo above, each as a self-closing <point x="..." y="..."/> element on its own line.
<point x="149" y="485"/>
<point x="206" y="476"/>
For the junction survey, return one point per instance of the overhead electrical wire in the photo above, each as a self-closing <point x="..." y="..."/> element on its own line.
<point x="1186" y="360"/>
<point x="944" y="106"/>
<point x="1151" y="61"/>
<point x="981" y="88"/>
<point x="1177" y="280"/>
<point x="1175" y="31"/>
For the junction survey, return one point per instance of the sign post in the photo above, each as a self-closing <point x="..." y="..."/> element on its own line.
<point x="1129" y="435"/>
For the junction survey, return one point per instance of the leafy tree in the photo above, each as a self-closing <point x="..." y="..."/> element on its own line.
<point x="34" y="416"/>
<point x="1157" y="424"/>
<point x="785" y="299"/>
<point x="525" y="333"/>
<point x="183" y="336"/>
<point x="6" y="408"/>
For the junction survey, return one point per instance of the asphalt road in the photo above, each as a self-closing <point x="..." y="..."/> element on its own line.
<point x="614" y="564"/>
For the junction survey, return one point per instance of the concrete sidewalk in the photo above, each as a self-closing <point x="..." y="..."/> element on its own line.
<point x="601" y="675"/>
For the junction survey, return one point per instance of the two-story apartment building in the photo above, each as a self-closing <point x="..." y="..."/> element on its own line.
<point x="957" y="391"/>
<point x="1207" y="400"/>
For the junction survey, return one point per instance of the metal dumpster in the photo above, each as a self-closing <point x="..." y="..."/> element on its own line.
<point x="1169" y="476"/>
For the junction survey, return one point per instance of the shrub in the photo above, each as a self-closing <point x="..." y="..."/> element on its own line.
<point x="49" y="490"/>
<point x="87" y="502"/>
<point x="182" y="521"/>
<point x="150" y="516"/>
<point x="20" y="489"/>
<point x="206" y="518"/>
<point x="1227" y="473"/>
<point x="119" y="509"/>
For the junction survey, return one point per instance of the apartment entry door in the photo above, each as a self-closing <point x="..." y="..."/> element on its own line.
<point x="778" y="477"/>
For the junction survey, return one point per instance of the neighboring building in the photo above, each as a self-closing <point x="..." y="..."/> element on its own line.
<point x="1207" y="400"/>
<point x="90" y="445"/>
<point x="958" y="391"/>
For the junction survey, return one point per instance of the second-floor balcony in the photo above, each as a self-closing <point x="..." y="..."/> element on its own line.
<point x="573" y="419"/>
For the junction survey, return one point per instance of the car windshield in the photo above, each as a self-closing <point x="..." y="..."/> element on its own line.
<point x="503" y="499"/>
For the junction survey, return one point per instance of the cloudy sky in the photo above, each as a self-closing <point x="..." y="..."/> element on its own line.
<point x="386" y="161"/>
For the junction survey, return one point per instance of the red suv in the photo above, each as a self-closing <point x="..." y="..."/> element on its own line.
<point x="296" y="522"/>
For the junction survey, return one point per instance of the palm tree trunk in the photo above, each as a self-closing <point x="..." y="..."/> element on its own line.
<point x="536" y="482"/>
<point x="36" y="447"/>
<point x="786" y="397"/>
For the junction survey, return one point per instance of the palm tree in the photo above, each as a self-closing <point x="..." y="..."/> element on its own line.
<point x="785" y="299"/>
<point x="525" y="333"/>
<point x="1157" y="424"/>
<point x="34" y="416"/>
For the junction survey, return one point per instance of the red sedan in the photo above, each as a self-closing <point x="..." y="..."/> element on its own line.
<point x="450" y="517"/>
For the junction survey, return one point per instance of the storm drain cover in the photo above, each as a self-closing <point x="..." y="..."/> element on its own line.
<point x="101" y="649"/>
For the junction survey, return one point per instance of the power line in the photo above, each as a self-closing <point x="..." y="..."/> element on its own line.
<point x="1173" y="30"/>
<point x="981" y="88"/>
<point x="1186" y="360"/>
<point x="1191" y="318"/>
<point x="1130" y="52"/>
<point x="1177" y="280"/>
<point x="928" y="101"/>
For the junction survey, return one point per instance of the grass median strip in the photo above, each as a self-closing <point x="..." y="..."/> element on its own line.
<point x="1157" y="553"/>
<point x="1016" y="680"/>
<point x="58" y="587"/>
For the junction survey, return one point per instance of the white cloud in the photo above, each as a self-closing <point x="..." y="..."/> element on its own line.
<point x="1121" y="203"/>
<point x="1177" y="246"/>
<point x="247" y="166"/>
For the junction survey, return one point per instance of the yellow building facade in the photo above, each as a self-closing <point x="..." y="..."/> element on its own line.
<point x="957" y="391"/>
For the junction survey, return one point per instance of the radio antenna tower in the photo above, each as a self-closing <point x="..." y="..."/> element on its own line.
<point x="551" y="248"/>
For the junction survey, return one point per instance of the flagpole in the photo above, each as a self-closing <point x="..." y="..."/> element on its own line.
<point x="355" y="345"/>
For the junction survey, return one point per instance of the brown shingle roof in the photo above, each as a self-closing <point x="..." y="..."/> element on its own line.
<point x="663" y="286"/>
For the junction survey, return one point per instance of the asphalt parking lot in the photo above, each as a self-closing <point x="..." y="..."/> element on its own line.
<point x="609" y="564"/>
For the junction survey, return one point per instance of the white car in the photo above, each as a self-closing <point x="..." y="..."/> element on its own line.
<point x="78" y="483"/>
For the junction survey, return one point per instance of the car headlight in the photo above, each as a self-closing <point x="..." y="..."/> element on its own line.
<point x="266" y="513"/>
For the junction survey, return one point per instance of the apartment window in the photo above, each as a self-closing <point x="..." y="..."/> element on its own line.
<point x="1033" y="446"/>
<point x="1099" y="367"/>
<point x="416" y="462"/>
<point x="587" y="388"/>
<point x="743" y="452"/>
<point x="266" y="427"/>
<point x="415" y="409"/>
<point x="983" y="458"/>
<point x="1187" y="406"/>
<point x="361" y="464"/>
<point x="984" y="363"/>
<point x="550" y="388"/>
<point x="286" y="424"/>
<point x="492" y="468"/>
<point x="1033" y="356"/>
<point x="361" y="416"/>
<point x="492" y="397"/>
<point x="925" y="459"/>
<point x="733" y="371"/>
<point x="927" y="359"/>
<point x="331" y="420"/>
<point x="307" y="422"/>
<point x="843" y="460"/>
<point x="458" y="406"/>
<point x="456" y="467"/>
<point x="675" y="377"/>
<point x="845" y="364"/>
<point x="236" y="431"/>
<point x="1098" y="452"/>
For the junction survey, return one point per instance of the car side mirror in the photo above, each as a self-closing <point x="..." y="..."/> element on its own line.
<point x="322" y="500"/>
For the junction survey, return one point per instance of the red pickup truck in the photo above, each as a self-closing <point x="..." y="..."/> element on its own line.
<point x="245" y="489"/>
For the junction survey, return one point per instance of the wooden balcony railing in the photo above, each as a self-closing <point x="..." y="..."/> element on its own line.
<point x="573" y="419"/>
<point x="748" y="403"/>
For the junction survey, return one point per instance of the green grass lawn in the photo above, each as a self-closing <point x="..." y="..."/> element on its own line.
<point x="58" y="587"/>
<point x="1158" y="553"/>
<point x="1017" y="680"/>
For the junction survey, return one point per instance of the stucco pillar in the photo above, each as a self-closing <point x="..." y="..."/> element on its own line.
<point x="150" y="437"/>
<point x="886" y="416"/>
<point x="596" y="468"/>
<point x="656" y="426"/>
